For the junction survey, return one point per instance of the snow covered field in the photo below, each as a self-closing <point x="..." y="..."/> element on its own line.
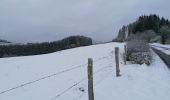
<point x="63" y="76"/>
<point x="163" y="48"/>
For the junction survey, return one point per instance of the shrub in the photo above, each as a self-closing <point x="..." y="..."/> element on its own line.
<point x="145" y="35"/>
<point x="141" y="57"/>
<point x="138" y="51"/>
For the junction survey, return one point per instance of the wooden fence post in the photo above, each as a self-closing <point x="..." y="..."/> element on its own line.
<point x="90" y="79"/>
<point x="117" y="61"/>
<point x="125" y="54"/>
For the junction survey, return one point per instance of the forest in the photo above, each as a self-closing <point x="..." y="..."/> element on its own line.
<point x="153" y="26"/>
<point x="43" y="48"/>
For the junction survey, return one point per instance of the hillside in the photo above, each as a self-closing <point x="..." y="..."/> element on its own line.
<point x="63" y="76"/>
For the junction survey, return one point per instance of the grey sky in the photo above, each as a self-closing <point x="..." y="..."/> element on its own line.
<point x="48" y="20"/>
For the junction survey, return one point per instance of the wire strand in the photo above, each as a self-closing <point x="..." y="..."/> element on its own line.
<point x="66" y="90"/>
<point x="45" y="77"/>
<point x="80" y="96"/>
<point x="52" y="75"/>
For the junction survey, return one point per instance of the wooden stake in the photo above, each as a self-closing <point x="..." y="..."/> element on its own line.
<point x="90" y="79"/>
<point x="117" y="61"/>
<point x="125" y="54"/>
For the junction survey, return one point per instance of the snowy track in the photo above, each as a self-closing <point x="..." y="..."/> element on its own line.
<point x="163" y="56"/>
<point x="164" y="48"/>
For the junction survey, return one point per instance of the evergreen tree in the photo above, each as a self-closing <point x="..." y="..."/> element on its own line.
<point x="145" y="23"/>
<point x="165" y="33"/>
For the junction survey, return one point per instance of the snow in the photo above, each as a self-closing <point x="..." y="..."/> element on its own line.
<point x="2" y="43"/>
<point x="137" y="82"/>
<point x="161" y="47"/>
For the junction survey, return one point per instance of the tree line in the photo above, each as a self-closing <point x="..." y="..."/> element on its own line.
<point x="4" y="41"/>
<point x="43" y="48"/>
<point x="159" y="25"/>
<point x="151" y="22"/>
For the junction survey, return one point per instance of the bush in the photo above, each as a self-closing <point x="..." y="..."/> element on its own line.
<point x="147" y="35"/>
<point x="138" y="51"/>
<point x="141" y="57"/>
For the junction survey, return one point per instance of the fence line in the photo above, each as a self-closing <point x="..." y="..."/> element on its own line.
<point x="45" y="77"/>
<point x="52" y="75"/>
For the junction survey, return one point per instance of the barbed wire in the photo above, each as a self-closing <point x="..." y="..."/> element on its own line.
<point x="45" y="77"/>
<point x="80" y="96"/>
<point x="69" y="88"/>
<point x="48" y="76"/>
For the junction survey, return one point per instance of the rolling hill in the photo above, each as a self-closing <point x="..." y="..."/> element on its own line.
<point x="63" y="76"/>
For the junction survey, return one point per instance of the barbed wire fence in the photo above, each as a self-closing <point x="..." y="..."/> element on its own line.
<point x="73" y="85"/>
<point x="95" y="85"/>
<point x="77" y="83"/>
<point x="48" y="76"/>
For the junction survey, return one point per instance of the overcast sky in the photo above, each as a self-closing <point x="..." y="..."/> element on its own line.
<point x="48" y="20"/>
